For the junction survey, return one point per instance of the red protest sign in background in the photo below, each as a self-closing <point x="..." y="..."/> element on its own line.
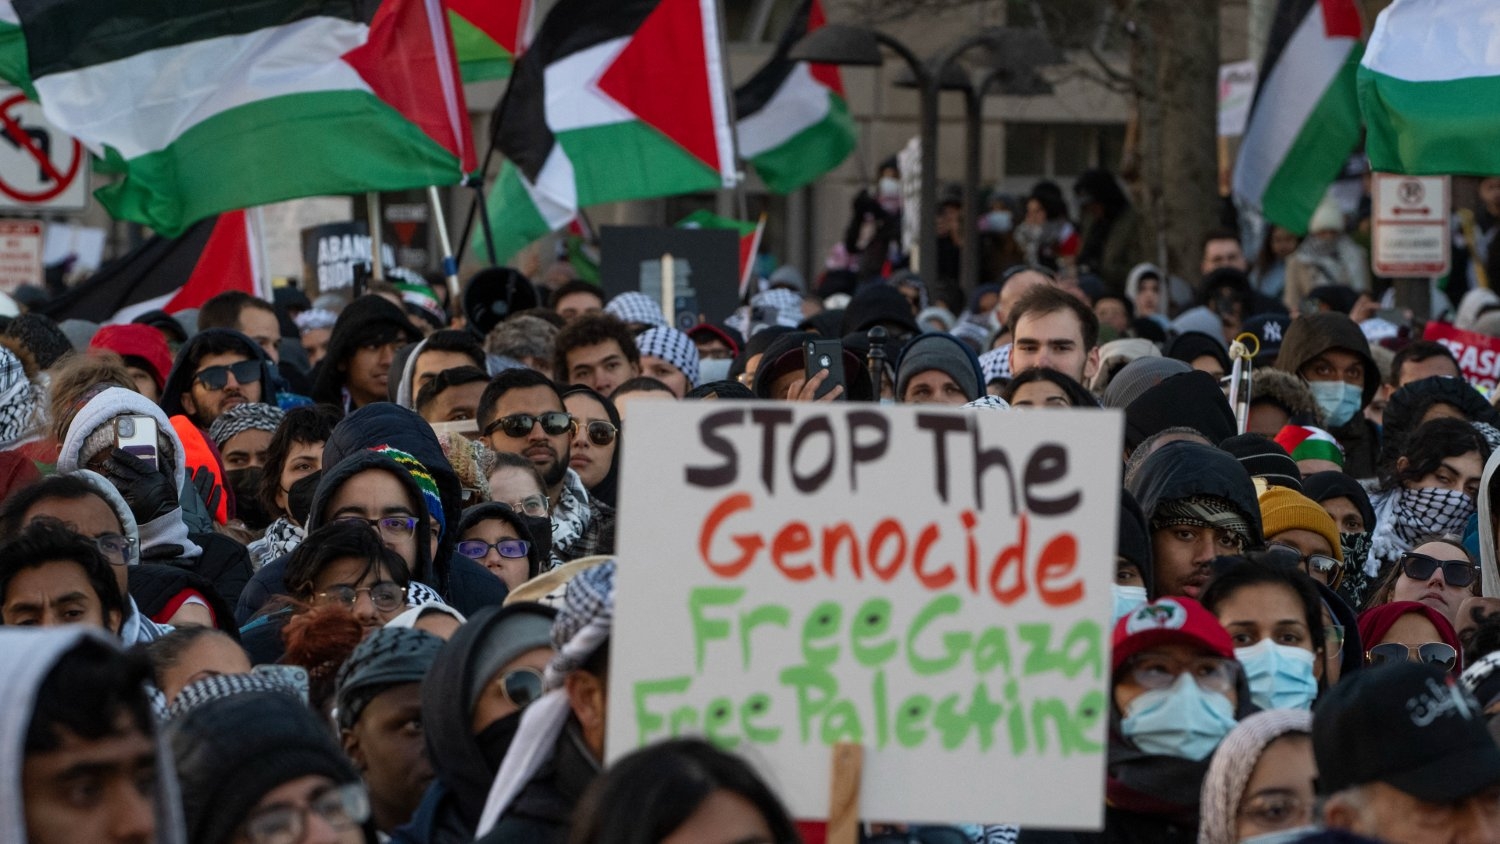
<point x="1478" y="354"/>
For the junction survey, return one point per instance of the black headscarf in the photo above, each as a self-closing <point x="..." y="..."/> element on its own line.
<point x="608" y="486"/>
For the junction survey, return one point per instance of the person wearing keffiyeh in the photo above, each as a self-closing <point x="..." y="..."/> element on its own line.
<point x="243" y="434"/>
<point x="669" y="356"/>
<point x="1200" y="504"/>
<point x="21" y="401"/>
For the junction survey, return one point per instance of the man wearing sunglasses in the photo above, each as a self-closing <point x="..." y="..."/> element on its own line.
<point x="218" y="369"/>
<point x="1403" y="755"/>
<point x="522" y="412"/>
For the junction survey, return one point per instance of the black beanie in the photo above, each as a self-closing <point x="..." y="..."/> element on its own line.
<point x="41" y="336"/>
<point x="1193" y="399"/>
<point x="1134" y="537"/>
<point x="1264" y="458"/>
<point x="231" y="752"/>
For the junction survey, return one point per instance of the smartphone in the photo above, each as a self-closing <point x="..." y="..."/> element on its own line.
<point x="825" y="354"/>
<point x="136" y="434"/>
<point x="293" y="676"/>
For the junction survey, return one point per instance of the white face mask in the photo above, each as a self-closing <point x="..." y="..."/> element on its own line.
<point x="1280" y="676"/>
<point x="1126" y="599"/>
<point x="888" y="188"/>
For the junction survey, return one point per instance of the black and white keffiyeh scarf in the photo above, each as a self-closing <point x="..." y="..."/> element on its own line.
<point x="570" y="519"/>
<point x="19" y="401"/>
<point x="281" y="538"/>
<point x="1402" y="516"/>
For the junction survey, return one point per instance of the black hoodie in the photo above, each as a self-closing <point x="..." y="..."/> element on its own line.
<point x="270" y="580"/>
<point x="1184" y="469"/>
<point x="450" y="810"/>
<point x="367" y="319"/>
<point x="1314" y="334"/>
<point x="180" y="379"/>
<point x="463" y="583"/>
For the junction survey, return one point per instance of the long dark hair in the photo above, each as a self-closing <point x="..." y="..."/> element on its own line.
<point x="1429" y="445"/>
<point x="647" y="795"/>
<point x="1231" y="574"/>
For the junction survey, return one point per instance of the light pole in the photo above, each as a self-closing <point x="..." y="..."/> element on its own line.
<point x="856" y="45"/>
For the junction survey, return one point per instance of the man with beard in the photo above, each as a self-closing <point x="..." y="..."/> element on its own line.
<point x="522" y="412"/>
<point x="218" y="369"/>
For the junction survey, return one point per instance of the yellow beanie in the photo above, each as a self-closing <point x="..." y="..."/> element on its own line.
<point x="1283" y="509"/>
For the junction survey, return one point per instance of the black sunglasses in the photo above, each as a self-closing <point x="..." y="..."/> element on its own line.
<point x="518" y="425"/>
<point x="522" y="686"/>
<point x="1459" y="573"/>
<point x="601" y="433"/>
<point x="217" y="377"/>
<point x="1440" y="654"/>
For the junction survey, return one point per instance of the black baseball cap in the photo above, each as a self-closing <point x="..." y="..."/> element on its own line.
<point x="1409" y="725"/>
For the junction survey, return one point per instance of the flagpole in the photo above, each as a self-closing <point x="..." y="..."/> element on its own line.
<point x="741" y="202"/>
<point x="477" y="183"/>
<point x="258" y="231"/>
<point x="377" y="266"/>
<point x="450" y="263"/>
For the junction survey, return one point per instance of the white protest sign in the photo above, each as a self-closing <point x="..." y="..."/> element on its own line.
<point x="929" y="583"/>
<point x="1236" y="93"/>
<point x="20" y="254"/>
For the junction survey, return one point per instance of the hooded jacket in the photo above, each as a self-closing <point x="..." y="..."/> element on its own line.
<point x="1314" y="334"/>
<point x="450" y="810"/>
<point x="1489" y="509"/>
<point x="270" y="580"/>
<point x="1184" y="469"/>
<point x="181" y="379"/>
<point x="463" y="583"/>
<point x="1406" y="407"/>
<point x="27" y="657"/>
<point x="364" y="319"/>
<point x="1191" y="398"/>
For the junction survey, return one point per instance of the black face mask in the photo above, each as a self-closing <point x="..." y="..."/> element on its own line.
<point x="494" y="741"/>
<point x="540" y="528"/>
<point x="246" y="485"/>
<point x="299" y="499"/>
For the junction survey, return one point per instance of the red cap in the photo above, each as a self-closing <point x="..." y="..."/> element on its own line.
<point x="141" y="341"/>
<point x="1167" y="620"/>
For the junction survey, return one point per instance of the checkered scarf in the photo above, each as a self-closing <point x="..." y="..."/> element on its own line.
<point x="1402" y="516"/>
<point x="315" y="319"/>
<point x="1205" y="511"/>
<point x="195" y="694"/>
<point x="425" y="482"/>
<point x="635" y="307"/>
<point x="788" y="305"/>
<point x="251" y="416"/>
<point x="672" y="346"/>
<point x="582" y="626"/>
<point x="995" y="363"/>
<point x="19" y="400"/>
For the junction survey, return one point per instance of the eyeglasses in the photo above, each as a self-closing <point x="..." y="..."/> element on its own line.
<point x="1458" y="573"/>
<point x="601" y="433"/>
<point x="521" y="686"/>
<point x="1320" y="563"/>
<point x="217" y="377"/>
<point x="119" y="550"/>
<point x="342" y="807"/>
<point x="1334" y="635"/>
<point x="510" y="549"/>
<point x="1441" y="654"/>
<point x="385" y="596"/>
<point x="531" y="505"/>
<point x="1155" y="672"/>
<point x="389" y="527"/>
<point x="518" y="425"/>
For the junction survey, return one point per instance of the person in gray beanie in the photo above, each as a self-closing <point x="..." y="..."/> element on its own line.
<point x="259" y="763"/>
<point x="1138" y="376"/>
<point x="938" y="369"/>
<point x="379" y="702"/>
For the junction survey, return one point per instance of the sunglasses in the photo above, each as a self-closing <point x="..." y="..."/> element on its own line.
<point x="1458" y="573"/>
<point x="522" y="686"/>
<point x="1440" y="654"/>
<point x="518" y="425"/>
<point x="511" y="549"/>
<point x="217" y="377"/>
<point x="601" y="433"/>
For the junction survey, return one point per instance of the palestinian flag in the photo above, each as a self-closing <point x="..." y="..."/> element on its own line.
<point x="172" y="274"/>
<point x="1430" y="68"/>
<point x="1304" y="442"/>
<point x="488" y="35"/>
<point x="1304" y="122"/>
<point x="792" y="122"/>
<point x="613" y="100"/>
<point x="749" y="233"/>
<point x="220" y="104"/>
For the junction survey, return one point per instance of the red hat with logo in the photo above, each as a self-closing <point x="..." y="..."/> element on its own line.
<point x="137" y="341"/>
<point x="1166" y="621"/>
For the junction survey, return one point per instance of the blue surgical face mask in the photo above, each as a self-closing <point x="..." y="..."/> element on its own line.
<point x="1280" y="676"/>
<point x="1181" y="720"/>
<point x="1339" y="401"/>
<point x="1285" y="836"/>
<point x="997" y="221"/>
<point x="1126" y="598"/>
